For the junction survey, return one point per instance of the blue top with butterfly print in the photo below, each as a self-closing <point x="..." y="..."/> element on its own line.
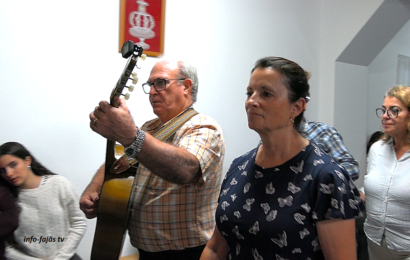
<point x="271" y="213"/>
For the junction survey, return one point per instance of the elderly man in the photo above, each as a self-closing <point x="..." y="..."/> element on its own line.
<point x="177" y="182"/>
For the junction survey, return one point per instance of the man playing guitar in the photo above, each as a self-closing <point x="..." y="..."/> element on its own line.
<point x="177" y="181"/>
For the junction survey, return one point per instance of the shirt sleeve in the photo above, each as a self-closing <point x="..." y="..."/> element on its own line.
<point x="337" y="196"/>
<point x="205" y="142"/>
<point x="332" y="144"/>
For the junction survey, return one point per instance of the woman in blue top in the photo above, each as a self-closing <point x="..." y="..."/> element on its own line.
<point x="285" y="199"/>
<point x="387" y="182"/>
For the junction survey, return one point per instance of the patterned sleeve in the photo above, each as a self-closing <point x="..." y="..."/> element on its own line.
<point x="332" y="143"/>
<point x="336" y="195"/>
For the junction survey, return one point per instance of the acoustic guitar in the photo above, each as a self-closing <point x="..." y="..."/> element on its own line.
<point x="112" y="212"/>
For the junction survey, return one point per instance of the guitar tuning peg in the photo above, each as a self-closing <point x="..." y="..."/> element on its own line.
<point x="135" y="80"/>
<point x="134" y="74"/>
<point x="131" y="88"/>
<point x="126" y="96"/>
<point x="143" y="57"/>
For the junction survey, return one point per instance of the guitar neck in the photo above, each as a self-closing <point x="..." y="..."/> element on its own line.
<point x="113" y="209"/>
<point x="109" y="159"/>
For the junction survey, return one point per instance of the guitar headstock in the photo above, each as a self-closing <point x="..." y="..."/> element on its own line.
<point x="132" y="52"/>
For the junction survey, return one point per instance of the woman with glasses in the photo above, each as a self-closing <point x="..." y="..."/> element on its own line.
<point x="286" y="198"/>
<point x="387" y="183"/>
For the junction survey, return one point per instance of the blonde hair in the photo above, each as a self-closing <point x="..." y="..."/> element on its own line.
<point x="402" y="93"/>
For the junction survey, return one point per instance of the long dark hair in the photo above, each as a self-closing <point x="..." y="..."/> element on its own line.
<point x="18" y="150"/>
<point x="294" y="78"/>
<point x="376" y="136"/>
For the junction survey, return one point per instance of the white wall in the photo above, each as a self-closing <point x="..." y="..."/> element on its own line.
<point x="382" y="75"/>
<point x="341" y="21"/>
<point x="351" y="110"/>
<point x="58" y="59"/>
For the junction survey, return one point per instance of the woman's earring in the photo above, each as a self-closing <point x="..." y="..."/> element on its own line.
<point x="293" y="119"/>
<point x="29" y="167"/>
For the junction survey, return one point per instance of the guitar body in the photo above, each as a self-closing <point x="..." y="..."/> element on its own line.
<point x="113" y="212"/>
<point x="112" y="219"/>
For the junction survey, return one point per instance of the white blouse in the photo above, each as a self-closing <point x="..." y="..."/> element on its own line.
<point x="387" y="189"/>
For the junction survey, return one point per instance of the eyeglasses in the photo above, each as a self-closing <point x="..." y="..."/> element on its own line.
<point x="159" y="85"/>
<point x="391" y="112"/>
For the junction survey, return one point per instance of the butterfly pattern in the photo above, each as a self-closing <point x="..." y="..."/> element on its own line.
<point x="258" y="175"/>
<point x="304" y="233"/>
<point x="298" y="168"/>
<point x="272" y="215"/>
<point x="285" y="201"/>
<point x="293" y="188"/>
<point x="281" y="241"/>
<point x="269" y="188"/>
<point x="248" y="205"/>
<point x="265" y="207"/>
<point x="317" y="162"/>
<point x="223" y="218"/>
<point x="255" y="228"/>
<point x="224" y="192"/>
<point x="268" y="213"/>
